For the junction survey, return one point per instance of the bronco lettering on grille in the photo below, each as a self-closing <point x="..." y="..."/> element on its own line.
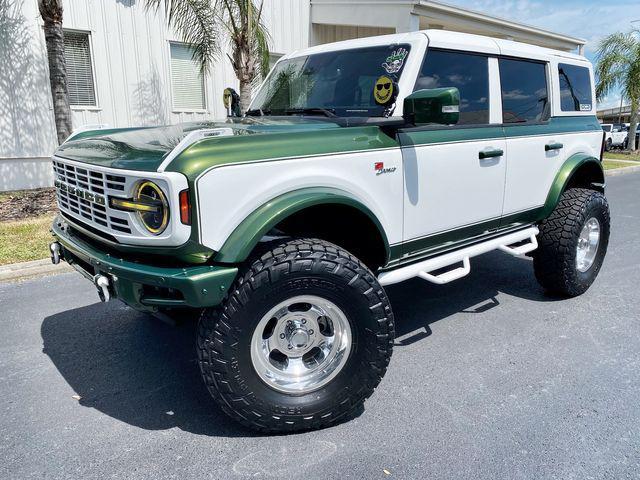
<point x="78" y="192"/>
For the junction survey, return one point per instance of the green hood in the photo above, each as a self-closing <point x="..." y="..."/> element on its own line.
<point x="145" y="148"/>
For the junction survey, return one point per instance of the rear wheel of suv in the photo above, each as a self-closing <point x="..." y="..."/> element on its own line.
<point x="607" y="145"/>
<point x="302" y="340"/>
<point x="573" y="242"/>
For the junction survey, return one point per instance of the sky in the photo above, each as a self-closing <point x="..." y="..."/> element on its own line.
<point x="588" y="19"/>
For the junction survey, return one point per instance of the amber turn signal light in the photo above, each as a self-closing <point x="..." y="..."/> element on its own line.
<point x="185" y="207"/>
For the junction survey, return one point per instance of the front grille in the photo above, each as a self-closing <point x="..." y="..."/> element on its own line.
<point x="74" y="202"/>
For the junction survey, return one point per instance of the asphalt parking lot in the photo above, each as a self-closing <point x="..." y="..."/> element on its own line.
<point x="489" y="379"/>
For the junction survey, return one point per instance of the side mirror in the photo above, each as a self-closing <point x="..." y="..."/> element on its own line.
<point x="435" y="105"/>
<point x="231" y="101"/>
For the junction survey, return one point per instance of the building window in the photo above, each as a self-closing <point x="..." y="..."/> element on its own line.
<point x="187" y="81"/>
<point x="575" y="88"/>
<point x="77" y="55"/>
<point x="524" y="91"/>
<point x="468" y="73"/>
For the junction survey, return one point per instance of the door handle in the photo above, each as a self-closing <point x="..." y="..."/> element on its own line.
<point x="552" y="146"/>
<point x="491" y="153"/>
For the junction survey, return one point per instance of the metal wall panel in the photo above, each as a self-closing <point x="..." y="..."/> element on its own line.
<point x="131" y="65"/>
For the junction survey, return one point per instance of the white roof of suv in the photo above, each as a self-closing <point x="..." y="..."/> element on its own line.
<point x="448" y="39"/>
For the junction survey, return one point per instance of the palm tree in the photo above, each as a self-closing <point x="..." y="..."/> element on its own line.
<point x="51" y="13"/>
<point x="618" y="66"/>
<point x="201" y="23"/>
<point x="249" y="41"/>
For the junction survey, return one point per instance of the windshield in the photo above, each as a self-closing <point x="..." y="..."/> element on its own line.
<point x="606" y="128"/>
<point x="334" y="83"/>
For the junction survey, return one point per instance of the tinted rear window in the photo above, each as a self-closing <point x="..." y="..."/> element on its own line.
<point x="575" y="88"/>
<point x="524" y="91"/>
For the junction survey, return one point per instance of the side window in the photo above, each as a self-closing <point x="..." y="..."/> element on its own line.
<point x="469" y="73"/>
<point x="575" y="88"/>
<point x="525" y="97"/>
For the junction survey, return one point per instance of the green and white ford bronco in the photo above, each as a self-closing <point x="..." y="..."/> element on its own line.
<point x="359" y="164"/>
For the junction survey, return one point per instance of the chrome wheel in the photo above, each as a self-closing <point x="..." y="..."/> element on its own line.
<point x="301" y="344"/>
<point x="588" y="242"/>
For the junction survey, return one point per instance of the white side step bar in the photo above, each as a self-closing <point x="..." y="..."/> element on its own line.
<point x="422" y="269"/>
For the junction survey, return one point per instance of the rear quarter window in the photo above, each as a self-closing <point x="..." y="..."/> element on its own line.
<point x="575" y="88"/>
<point x="524" y="91"/>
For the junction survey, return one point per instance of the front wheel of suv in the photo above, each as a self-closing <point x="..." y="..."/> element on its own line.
<point x="573" y="242"/>
<point x="302" y="340"/>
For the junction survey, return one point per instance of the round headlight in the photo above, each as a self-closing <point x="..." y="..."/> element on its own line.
<point x="155" y="219"/>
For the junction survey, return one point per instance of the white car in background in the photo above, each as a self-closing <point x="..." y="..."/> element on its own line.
<point x="615" y="136"/>
<point x="627" y="128"/>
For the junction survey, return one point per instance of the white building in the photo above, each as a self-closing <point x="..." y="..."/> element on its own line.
<point x="126" y="68"/>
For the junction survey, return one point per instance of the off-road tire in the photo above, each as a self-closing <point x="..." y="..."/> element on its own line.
<point x="554" y="261"/>
<point x="295" y="267"/>
<point x="608" y="145"/>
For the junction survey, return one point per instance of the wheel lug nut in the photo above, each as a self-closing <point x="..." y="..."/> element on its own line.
<point x="282" y="335"/>
<point x="290" y="347"/>
<point x="304" y="320"/>
<point x="310" y="332"/>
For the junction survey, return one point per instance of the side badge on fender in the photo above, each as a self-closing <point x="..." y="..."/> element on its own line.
<point x="379" y="168"/>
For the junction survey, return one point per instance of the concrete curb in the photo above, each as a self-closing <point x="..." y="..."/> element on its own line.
<point x="621" y="171"/>
<point x="35" y="268"/>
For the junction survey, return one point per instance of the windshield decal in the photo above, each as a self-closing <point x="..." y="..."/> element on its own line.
<point x="394" y="62"/>
<point x="383" y="91"/>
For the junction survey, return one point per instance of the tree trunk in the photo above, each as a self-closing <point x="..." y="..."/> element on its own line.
<point x="633" y="126"/>
<point x="51" y="12"/>
<point x="245" y="94"/>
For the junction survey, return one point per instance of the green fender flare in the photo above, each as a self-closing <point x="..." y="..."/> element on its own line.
<point x="570" y="167"/>
<point x="247" y="235"/>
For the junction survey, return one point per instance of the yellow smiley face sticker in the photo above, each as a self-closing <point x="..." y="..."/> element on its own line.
<point x="383" y="90"/>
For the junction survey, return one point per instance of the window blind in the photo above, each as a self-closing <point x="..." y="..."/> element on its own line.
<point x="77" y="55"/>
<point x="187" y="82"/>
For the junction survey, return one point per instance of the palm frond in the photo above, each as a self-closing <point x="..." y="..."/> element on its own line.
<point x="248" y="37"/>
<point x="261" y="42"/>
<point x="618" y="65"/>
<point x="195" y="22"/>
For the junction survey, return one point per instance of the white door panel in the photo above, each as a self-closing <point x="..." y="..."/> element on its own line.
<point x="448" y="186"/>
<point x="531" y="170"/>
<point x="228" y="194"/>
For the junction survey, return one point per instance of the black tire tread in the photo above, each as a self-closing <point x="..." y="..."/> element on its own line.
<point x="216" y="335"/>
<point x="554" y="260"/>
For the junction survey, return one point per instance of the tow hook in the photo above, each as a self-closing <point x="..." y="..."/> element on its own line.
<point x="55" y="250"/>
<point x="102" y="284"/>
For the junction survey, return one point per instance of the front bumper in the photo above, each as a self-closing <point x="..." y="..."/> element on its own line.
<point x="142" y="286"/>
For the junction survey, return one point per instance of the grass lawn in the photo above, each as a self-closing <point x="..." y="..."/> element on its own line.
<point x="622" y="156"/>
<point x="612" y="164"/>
<point x="24" y="240"/>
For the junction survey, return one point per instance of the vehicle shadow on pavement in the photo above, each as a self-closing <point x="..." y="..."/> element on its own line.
<point x="135" y="369"/>
<point x="417" y="304"/>
<point x="141" y="371"/>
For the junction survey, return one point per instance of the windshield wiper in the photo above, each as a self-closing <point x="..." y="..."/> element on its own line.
<point x="257" y="112"/>
<point x="327" y="112"/>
